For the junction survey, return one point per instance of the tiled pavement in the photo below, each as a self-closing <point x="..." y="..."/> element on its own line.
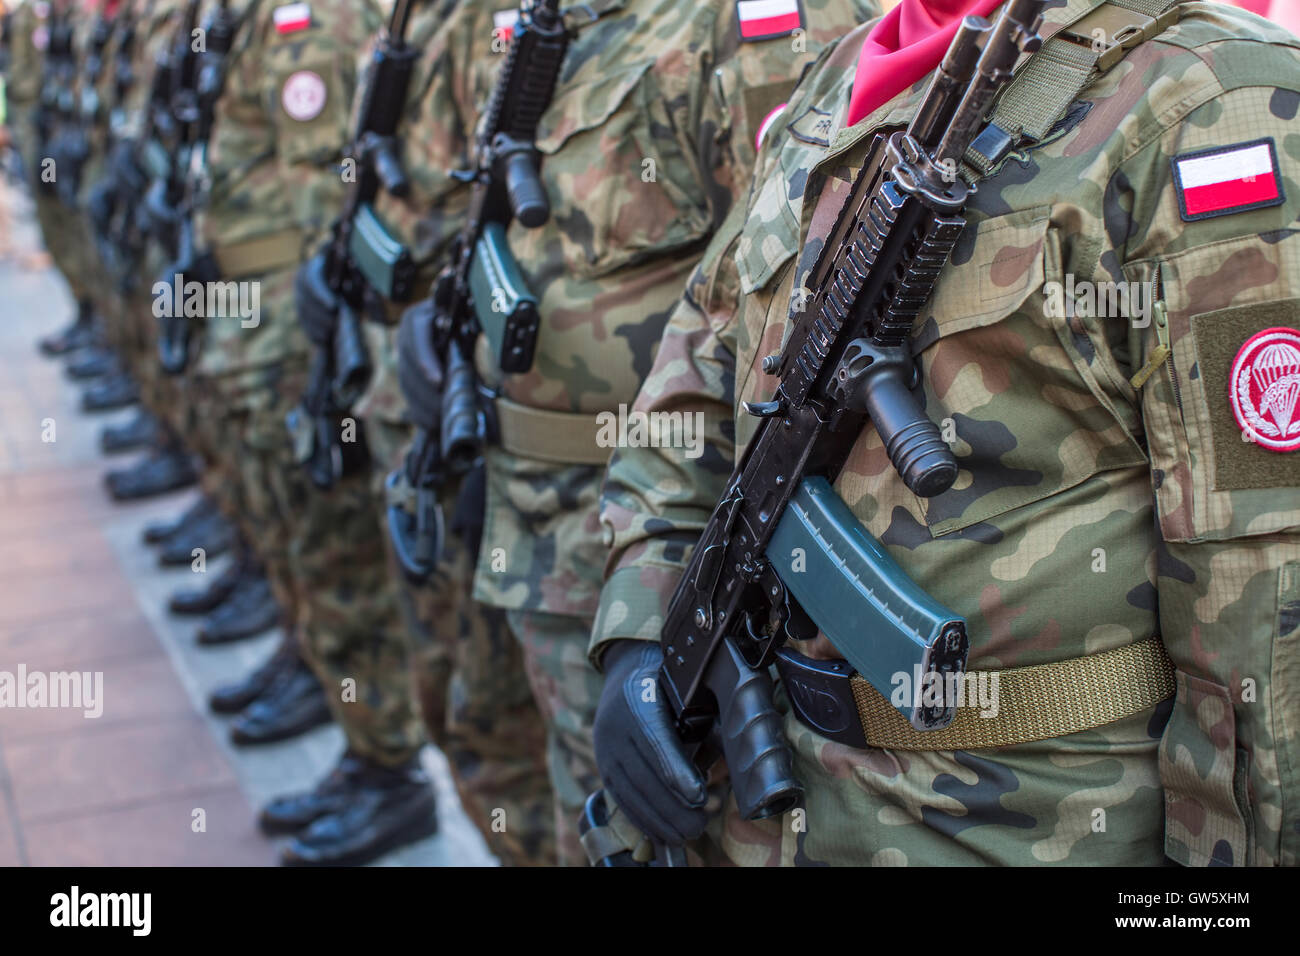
<point x="79" y="593"/>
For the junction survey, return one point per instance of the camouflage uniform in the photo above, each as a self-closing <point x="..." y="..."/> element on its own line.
<point x="472" y="689"/>
<point x="60" y="223"/>
<point x="273" y="166"/>
<point x="1063" y="461"/>
<point x="646" y="143"/>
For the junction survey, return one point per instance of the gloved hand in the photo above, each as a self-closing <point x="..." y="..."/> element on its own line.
<point x="640" y="757"/>
<point x="318" y="306"/>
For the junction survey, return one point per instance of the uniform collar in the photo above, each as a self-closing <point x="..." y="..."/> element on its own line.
<point x="579" y="15"/>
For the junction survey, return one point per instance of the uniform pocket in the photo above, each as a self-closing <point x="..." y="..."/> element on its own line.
<point x="1203" y="773"/>
<point x="1211" y="481"/>
<point x="636" y="193"/>
<point x="1013" y="379"/>
<point x="310" y="110"/>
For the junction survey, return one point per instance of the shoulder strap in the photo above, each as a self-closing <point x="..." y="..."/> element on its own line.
<point x="1048" y="82"/>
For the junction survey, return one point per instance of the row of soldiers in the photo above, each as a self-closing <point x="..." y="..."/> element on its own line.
<point x="266" y="235"/>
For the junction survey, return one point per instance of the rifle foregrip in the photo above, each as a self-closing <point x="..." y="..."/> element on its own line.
<point x="879" y="380"/>
<point x="754" y="745"/>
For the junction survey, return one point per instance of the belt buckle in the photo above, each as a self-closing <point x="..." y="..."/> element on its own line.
<point x="1113" y="31"/>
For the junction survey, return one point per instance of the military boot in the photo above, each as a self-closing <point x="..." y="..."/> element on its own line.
<point x="113" y="391"/>
<point x="249" y="610"/>
<point x="158" y="532"/>
<point x="232" y="698"/>
<point x="92" y="363"/>
<point x="385" y="808"/>
<point x="293" y="704"/>
<point x="293" y="811"/>
<point x="139" y="432"/>
<point x="214" y="536"/>
<point x="163" y="471"/>
<point x="75" y="336"/>
<point x="189" y="601"/>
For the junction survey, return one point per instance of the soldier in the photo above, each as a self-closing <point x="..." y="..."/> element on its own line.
<point x="647" y="140"/>
<point x="472" y="690"/>
<point x="1127" y="480"/>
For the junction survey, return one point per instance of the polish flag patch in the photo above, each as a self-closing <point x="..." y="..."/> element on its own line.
<point x="503" y="25"/>
<point x="292" y="17"/>
<point x="1264" y="389"/>
<point x="1218" y="182"/>
<point x="765" y="19"/>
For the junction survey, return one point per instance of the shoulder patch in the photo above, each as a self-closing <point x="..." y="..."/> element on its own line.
<point x="767" y="19"/>
<point x="812" y="126"/>
<point x="303" y="95"/>
<point x="1227" y="179"/>
<point x="292" y="17"/>
<point x="1264" y="388"/>
<point x="503" y="24"/>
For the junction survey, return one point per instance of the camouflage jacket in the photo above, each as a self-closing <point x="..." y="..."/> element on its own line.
<point x="646" y="143"/>
<point x="273" y="164"/>
<point x="1088" y="513"/>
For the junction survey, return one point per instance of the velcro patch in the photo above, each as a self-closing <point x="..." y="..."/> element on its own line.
<point x="812" y="126"/>
<point x="503" y="24"/>
<point x="292" y="17"/>
<point x="1227" y="179"/>
<point x="303" y="95"/>
<point x="766" y="19"/>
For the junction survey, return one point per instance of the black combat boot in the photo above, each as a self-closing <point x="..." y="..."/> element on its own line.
<point x="139" y="432"/>
<point x="80" y="333"/>
<point x="232" y="698"/>
<point x="385" y="808"/>
<point x="157" y="532"/>
<point x="293" y="704"/>
<point x="113" y="391"/>
<point x="215" y="535"/>
<point x="249" y="610"/>
<point x="190" y="601"/>
<point x="293" y="811"/>
<point x="165" y="470"/>
<point x="92" y="363"/>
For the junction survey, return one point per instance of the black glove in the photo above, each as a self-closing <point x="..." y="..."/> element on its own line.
<point x="640" y="757"/>
<point x="318" y="306"/>
<point x="419" y="370"/>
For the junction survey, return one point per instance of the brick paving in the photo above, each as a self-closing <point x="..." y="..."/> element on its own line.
<point x="80" y="593"/>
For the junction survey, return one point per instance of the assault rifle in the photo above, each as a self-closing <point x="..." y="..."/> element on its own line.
<point x="198" y="80"/>
<point x="482" y="289"/>
<point x="361" y="264"/>
<point x="846" y="364"/>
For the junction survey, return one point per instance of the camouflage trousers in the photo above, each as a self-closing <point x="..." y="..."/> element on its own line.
<point x="566" y="689"/>
<point x="473" y="693"/>
<point x="66" y="240"/>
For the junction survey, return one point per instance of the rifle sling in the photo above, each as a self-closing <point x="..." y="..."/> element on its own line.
<point x="1054" y="77"/>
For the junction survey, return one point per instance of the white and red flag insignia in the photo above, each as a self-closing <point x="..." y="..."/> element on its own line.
<point x="1264" y="389"/>
<point x="292" y="17"/>
<point x="765" y="19"/>
<point x="1217" y="182"/>
<point x="503" y="24"/>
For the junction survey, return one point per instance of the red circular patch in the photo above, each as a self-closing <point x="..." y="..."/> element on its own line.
<point x="1264" y="389"/>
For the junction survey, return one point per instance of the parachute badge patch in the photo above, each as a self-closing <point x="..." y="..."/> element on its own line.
<point x="303" y="96"/>
<point x="1264" y="389"/>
